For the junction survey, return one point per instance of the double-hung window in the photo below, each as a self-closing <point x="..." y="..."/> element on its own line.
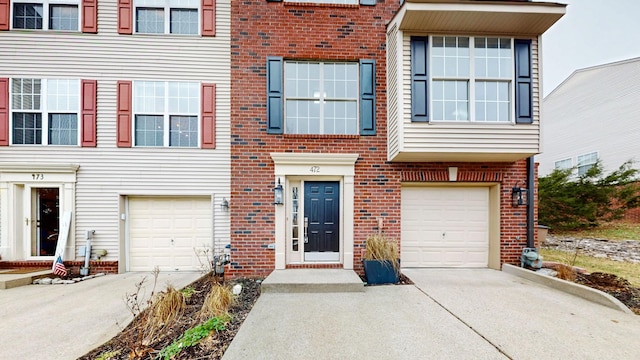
<point x="166" y="113"/>
<point x="45" y="111"/>
<point x="470" y="79"/>
<point x="321" y="98"/>
<point x="46" y="15"/>
<point x="167" y="16"/>
<point x="564" y="164"/>
<point x="586" y="162"/>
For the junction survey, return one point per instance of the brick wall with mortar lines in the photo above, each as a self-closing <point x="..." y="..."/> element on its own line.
<point x="311" y="32"/>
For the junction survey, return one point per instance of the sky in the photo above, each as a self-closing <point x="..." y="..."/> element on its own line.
<point x="592" y="32"/>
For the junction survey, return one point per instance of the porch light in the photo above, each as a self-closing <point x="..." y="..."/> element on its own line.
<point x="518" y="195"/>
<point x="278" y="194"/>
<point x="225" y="205"/>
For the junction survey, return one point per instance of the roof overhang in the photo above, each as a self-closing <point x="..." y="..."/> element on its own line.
<point x="513" y="18"/>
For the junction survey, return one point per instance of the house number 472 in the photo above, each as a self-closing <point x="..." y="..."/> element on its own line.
<point x="314" y="169"/>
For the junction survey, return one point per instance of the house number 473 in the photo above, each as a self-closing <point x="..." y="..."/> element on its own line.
<point x="314" y="169"/>
<point x="37" y="176"/>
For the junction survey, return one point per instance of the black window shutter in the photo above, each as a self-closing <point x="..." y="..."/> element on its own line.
<point x="367" y="97"/>
<point x="274" y="95"/>
<point x="524" y="84"/>
<point x="419" y="79"/>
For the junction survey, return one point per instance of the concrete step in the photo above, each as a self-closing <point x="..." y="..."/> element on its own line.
<point x="312" y="281"/>
<point x="8" y="281"/>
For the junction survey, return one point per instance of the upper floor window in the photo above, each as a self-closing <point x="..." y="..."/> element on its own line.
<point x="46" y="15"/>
<point x="321" y="98"/>
<point x="564" y="164"/>
<point x="470" y="79"/>
<point x="167" y="16"/>
<point x="166" y="113"/>
<point x="45" y="111"/>
<point x="586" y="161"/>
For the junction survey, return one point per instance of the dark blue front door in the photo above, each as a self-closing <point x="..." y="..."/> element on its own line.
<point x="322" y="216"/>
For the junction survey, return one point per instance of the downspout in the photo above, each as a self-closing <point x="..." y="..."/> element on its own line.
<point x="530" y="202"/>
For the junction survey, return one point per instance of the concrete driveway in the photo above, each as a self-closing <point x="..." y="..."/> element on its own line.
<point x="66" y="321"/>
<point x="448" y="314"/>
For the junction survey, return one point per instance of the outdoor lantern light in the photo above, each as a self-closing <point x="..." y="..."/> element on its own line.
<point x="278" y="194"/>
<point x="518" y="195"/>
<point x="225" y="204"/>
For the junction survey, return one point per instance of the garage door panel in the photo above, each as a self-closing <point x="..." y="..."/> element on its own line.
<point x="445" y="227"/>
<point x="164" y="231"/>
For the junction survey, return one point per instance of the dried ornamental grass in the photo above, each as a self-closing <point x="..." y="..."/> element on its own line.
<point x="167" y="308"/>
<point x="380" y="248"/>
<point x="218" y="302"/>
<point x="566" y="272"/>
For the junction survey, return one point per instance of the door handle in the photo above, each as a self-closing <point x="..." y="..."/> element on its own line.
<point x="306" y="229"/>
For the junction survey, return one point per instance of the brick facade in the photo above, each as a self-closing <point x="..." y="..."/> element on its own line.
<point x="312" y="32"/>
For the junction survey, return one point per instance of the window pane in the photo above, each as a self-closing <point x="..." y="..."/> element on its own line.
<point x="493" y="58"/>
<point x="340" y="82"/>
<point x="149" y="97"/>
<point x="63" y="95"/>
<point x="303" y="80"/>
<point x="63" y="17"/>
<point x="183" y="131"/>
<point x="303" y="117"/>
<point x="27" y="128"/>
<point x="493" y="101"/>
<point x="149" y="130"/>
<point x="27" y="16"/>
<point x="26" y="94"/>
<point x="184" y="98"/>
<point x="340" y="117"/>
<point x="450" y="57"/>
<point x="184" y="21"/>
<point x="63" y="129"/>
<point x="150" y="20"/>
<point x="452" y="103"/>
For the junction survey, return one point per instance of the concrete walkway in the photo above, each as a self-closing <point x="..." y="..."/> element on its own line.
<point x="448" y="314"/>
<point x="67" y="321"/>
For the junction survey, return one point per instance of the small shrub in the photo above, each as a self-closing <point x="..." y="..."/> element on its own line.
<point x="193" y="336"/>
<point x="566" y="272"/>
<point x="217" y="302"/>
<point x="379" y="247"/>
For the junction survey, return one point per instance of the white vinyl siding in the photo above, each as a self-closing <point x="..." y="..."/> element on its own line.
<point x="107" y="172"/>
<point x="459" y="141"/>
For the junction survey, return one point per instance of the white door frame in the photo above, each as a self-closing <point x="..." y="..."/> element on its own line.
<point x="16" y="182"/>
<point x="311" y="167"/>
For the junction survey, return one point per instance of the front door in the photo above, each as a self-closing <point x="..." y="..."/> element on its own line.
<point x="44" y="221"/>
<point x="322" y="220"/>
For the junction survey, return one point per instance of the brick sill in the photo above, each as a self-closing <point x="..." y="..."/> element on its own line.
<point x="319" y="136"/>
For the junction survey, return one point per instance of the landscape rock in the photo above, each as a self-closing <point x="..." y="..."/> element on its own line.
<point x="617" y="250"/>
<point x="46" y="281"/>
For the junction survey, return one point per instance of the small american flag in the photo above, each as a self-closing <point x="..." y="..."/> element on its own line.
<point x="58" y="267"/>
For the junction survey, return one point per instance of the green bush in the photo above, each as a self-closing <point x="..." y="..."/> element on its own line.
<point x="567" y="202"/>
<point x="193" y="336"/>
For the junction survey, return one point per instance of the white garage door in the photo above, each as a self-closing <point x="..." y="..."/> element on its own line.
<point x="445" y="227"/>
<point x="163" y="232"/>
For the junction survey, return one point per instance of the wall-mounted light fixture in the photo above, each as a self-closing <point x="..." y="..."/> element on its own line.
<point x="518" y="195"/>
<point x="224" y="205"/>
<point x="278" y="194"/>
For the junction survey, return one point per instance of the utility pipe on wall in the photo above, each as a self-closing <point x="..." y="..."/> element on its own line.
<point x="530" y="199"/>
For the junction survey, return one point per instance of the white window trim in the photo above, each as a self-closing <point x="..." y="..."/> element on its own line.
<point x="45" y="13"/>
<point x="322" y="97"/>
<point x="167" y="5"/>
<point x="471" y="81"/>
<point x="166" y="115"/>
<point x="44" y="110"/>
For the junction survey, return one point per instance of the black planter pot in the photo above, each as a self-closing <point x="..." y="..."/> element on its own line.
<point x="381" y="272"/>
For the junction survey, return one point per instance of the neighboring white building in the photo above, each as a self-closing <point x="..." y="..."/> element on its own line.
<point x="594" y="114"/>
<point x="118" y="112"/>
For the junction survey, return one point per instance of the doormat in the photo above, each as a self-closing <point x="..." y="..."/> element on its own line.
<point x="21" y="270"/>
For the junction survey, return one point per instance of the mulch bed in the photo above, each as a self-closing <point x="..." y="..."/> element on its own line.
<point x="210" y="348"/>
<point x="613" y="285"/>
